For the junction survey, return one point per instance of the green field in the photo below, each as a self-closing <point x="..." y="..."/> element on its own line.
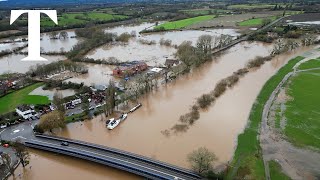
<point x="314" y="63"/>
<point x="81" y="18"/>
<point x="184" y="23"/>
<point x="276" y="172"/>
<point x="255" y="22"/>
<point x="247" y="160"/>
<point x="302" y="110"/>
<point x="199" y="12"/>
<point x="251" y="6"/>
<point x="9" y="102"/>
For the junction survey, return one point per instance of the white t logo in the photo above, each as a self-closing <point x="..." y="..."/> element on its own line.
<point x="34" y="30"/>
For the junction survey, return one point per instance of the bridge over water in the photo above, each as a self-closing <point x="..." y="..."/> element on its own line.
<point x="133" y="163"/>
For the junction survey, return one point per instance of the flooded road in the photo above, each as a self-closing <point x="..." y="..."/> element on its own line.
<point x="98" y="74"/>
<point x="141" y="132"/>
<point x="50" y="93"/>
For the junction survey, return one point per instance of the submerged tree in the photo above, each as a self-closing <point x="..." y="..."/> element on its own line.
<point x="9" y="166"/>
<point x="202" y="160"/>
<point x="21" y="152"/>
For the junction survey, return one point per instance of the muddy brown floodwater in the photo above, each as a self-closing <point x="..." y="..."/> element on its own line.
<point x="217" y="128"/>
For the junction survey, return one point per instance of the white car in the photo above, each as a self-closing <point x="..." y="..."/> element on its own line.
<point x="109" y="121"/>
<point x="113" y="124"/>
<point x="123" y="117"/>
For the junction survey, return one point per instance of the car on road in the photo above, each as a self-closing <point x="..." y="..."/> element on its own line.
<point x="65" y="143"/>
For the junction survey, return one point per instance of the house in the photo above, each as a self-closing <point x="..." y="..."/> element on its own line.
<point x="129" y="69"/>
<point x="171" y="62"/>
<point x="25" y="111"/>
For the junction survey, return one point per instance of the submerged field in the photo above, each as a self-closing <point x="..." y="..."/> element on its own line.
<point x="184" y="23"/>
<point x="11" y="101"/>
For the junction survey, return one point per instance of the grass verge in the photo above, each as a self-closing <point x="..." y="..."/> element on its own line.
<point x="9" y="102"/>
<point x="247" y="161"/>
<point x="276" y="172"/>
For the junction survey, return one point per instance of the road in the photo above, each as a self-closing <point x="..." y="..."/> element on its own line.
<point x="234" y="42"/>
<point x="133" y="163"/>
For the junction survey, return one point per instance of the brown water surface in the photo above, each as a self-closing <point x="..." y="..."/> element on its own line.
<point x="217" y="129"/>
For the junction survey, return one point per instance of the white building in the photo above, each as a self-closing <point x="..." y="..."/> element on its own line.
<point x="25" y="111"/>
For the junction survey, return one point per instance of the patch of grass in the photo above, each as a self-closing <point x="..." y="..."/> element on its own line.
<point x="276" y="171"/>
<point x="251" y="6"/>
<point x="9" y="102"/>
<point x="255" y="22"/>
<point x="80" y="18"/>
<point x="314" y="63"/>
<point x="302" y="112"/>
<point x="278" y="117"/>
<point x="184" y="23"/>
<point x="75" y="118"/>
<point x="248" y="152"/>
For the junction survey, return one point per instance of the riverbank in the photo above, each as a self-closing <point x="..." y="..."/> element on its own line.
<point x="247" y="161"/>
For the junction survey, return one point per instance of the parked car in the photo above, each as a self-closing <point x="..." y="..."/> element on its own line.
<point x="65" y="143"/>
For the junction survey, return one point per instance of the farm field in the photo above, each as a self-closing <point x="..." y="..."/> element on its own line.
<point x="255" y="21"/>
<point x="204" y="11"/>
<point x="231" y="20"/>
<point x="302" y="109"/>
<point x="11" y="101"/>
<point x="184" y="23"/>
<point x="81" y="18"/>
<point x="315" y="63"/>
<point x="252" y="6"/>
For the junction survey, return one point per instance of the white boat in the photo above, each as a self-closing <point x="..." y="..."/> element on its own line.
<point x="109" y="121"/>
<point x="113" y="124"/>
<point x="135" y="108"/>
<point x="123" y="117"/>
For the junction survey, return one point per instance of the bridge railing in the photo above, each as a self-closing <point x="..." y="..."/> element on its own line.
<point x="104" y="161"/>
<point x="121" y="152"/>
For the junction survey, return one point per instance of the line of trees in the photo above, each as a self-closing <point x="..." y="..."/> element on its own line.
<point x="56" y="67"/>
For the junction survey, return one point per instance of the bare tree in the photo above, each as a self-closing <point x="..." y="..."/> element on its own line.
<point x="63" y="35"/>
<point x="21" y="152"/>
<point x="53" y="35"/>
<point x="50" y="121"/>
<point x="202" y="160"/>
<point x="59" y="102"/>
<point x="6" y="159"/>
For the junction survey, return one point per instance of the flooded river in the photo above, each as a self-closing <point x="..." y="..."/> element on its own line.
<point x="141" y="132"/>
<point x="13" y="63"/>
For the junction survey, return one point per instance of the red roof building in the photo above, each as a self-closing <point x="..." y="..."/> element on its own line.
<point x="130" y="69"/>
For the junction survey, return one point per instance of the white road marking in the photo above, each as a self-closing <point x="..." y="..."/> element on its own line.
<point x="20" y="137"/>
<point x="113" y="158"/>
<point x="2" y="131"/>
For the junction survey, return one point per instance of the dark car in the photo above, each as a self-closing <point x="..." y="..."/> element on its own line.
<point x="65" y="144"/>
